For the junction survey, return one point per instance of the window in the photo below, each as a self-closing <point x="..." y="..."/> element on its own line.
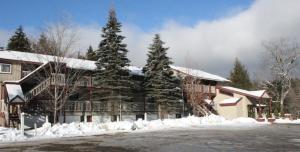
<point x="5" y="68"/>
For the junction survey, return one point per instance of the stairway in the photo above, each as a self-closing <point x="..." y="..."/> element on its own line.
<point x="37" y="89"/>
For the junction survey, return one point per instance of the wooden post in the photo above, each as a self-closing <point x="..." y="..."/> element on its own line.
<point x="145" y="116"/>
<point x="22" y="123"/>
<point x="270" y="107"/>
<point x="259" y="108"/>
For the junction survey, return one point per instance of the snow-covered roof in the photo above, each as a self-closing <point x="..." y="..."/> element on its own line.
<point x="258" y="93"/>
<point x="13" y="91"/>
<point x="70" y="62"/>
<point x="233" y="100"/>
<point x="199" y="73"/>
<point x="90" y="65"/>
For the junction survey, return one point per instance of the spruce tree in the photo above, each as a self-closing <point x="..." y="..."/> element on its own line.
<point x="19" y="41"/>
<point x="239" y="76"/>
<point x="160" y="84"/>
<point x="42" y="46"/>
<point x="91" y="54"/>
<point x="112" y="73"/>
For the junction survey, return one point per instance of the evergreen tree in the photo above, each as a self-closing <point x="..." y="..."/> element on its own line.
<point x="91" y="54"/>
<point x="112" y="74"/>
<point x="42" y="46"/>
<point x="160" y="84"/>
<point x="19" y="41"/>
<point x="239" y="76"/>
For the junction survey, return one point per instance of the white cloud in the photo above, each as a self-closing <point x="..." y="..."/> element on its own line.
<point x="212" y="45"/>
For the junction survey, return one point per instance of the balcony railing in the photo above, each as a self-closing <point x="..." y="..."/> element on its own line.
<point x="80" y="106"/>
<point x="200" y="88"/>
<point x="58" y="79"/>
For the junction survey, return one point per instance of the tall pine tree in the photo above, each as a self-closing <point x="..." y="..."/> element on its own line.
<point x="90" y="54"/>
<point x="42" y="46"/>
<point x="112" y="74"/>
<point x="239" y="76"/>
<point x="160" y="84"/>
<point x="19" y="41"/>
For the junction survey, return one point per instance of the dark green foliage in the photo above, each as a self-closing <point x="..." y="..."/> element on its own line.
<point x="239" y="76"/>
<point x="42" y="46"/>
<point x="292" y="101"/>
<point x="19" y="41"/>
<point x="276" y="113"/>
<point x="91" y="54"/>
<point x="112" y="74"/>
<point x="160" y="84"/>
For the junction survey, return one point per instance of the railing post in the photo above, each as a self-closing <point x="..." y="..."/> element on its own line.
<point x="22" y="123"/>
<point x="145" y="116"/>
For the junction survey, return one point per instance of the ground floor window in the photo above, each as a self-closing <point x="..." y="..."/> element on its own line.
<point x="140" y="116"/>
<point x="178" y="115"/>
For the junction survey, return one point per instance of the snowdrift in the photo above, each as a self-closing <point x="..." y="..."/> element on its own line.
<point x="83" y="129"/>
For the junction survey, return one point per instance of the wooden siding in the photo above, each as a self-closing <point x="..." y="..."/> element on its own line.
<point x="14" y="75"/>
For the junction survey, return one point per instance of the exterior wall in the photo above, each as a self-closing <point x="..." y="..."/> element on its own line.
<point x="14" y="75"/>
<point x="234" y="111"/>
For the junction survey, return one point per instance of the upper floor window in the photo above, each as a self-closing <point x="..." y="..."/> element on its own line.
<point x="5" y="68"/>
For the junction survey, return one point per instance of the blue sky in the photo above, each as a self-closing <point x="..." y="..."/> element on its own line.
<point x="147" y="14"/>
<point x="202" y="34"/>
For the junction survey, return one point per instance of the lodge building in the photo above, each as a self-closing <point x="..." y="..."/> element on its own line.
<point x="24" y="88"/>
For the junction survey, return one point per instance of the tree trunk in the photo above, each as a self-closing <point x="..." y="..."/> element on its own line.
<point x="55" y="102"/>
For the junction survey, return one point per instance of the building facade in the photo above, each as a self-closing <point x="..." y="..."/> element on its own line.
<point x="26" y="80"/>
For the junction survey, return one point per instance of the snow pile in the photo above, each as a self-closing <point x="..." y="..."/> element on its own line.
<point x="244" y="120"/>
<point x="10" y="134"/>
<point x="287" y="121"/>
<point x="92" y="128"/>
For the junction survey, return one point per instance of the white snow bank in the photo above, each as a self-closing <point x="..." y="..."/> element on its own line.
<point x="92" y="128"/>
<point x="287" y="121"/>
<point x="242" y="120"/>
<point x="11" y="134"/>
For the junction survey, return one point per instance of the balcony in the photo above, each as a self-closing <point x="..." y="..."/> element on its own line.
<point x="80" y="106"/>
<point x="200" y="88"/>
<point x="58" y="79"/>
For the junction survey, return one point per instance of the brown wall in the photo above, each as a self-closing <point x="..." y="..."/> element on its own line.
<point x="14" y="75"/>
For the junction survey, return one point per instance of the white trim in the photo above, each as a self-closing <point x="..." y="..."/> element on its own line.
<point x="10" y="66"/>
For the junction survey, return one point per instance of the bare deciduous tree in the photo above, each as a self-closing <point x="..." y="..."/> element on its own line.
<point x="60" y="38"/>
<point x="282" y="60"/>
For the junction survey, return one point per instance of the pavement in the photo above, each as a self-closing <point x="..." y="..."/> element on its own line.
<point x="266" y="138"/>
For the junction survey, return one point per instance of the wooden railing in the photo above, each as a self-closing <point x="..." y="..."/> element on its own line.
<point x="200" y="88"/>
<point x="58" y="79"/>
<point x="37" y="89"/>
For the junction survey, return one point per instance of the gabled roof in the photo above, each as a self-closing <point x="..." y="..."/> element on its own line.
<point x="254" y="94"/>
<point x="198" y="73"/>
<point x="230" y="101"/>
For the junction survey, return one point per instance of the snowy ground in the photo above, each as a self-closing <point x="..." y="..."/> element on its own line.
<point x="85" y="129"/>
<point x="212" y="138"/>
<point x="287" y="121"/>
